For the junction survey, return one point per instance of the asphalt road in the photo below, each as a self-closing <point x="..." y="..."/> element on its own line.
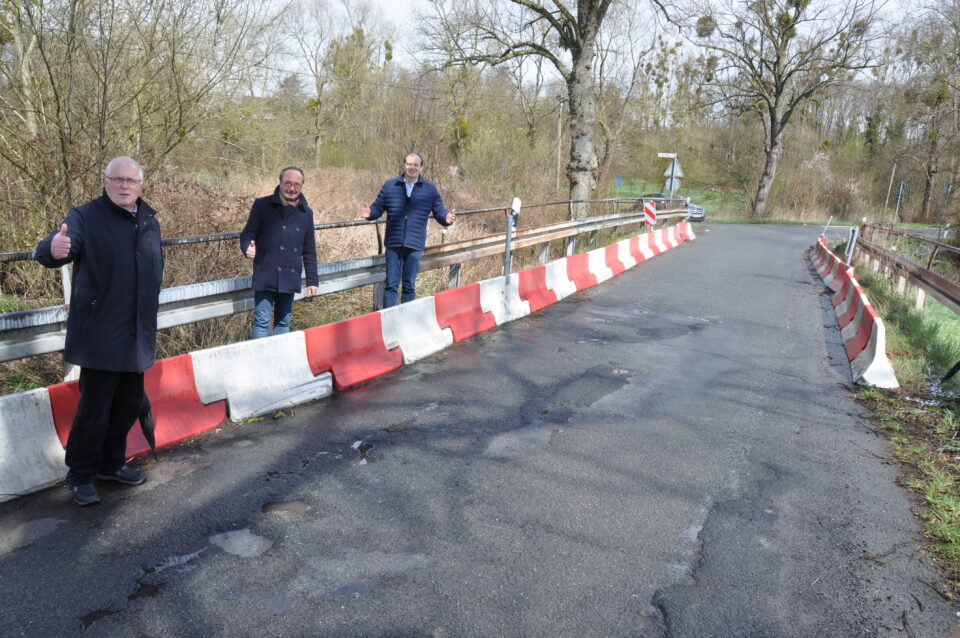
<point x="675" y="452"/>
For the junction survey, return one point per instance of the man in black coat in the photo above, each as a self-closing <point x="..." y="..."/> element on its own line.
<point x="278" y="237"/>
<point x="114" y="244"/>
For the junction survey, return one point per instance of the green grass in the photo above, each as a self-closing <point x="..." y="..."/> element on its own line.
<point x="922" y="345"/>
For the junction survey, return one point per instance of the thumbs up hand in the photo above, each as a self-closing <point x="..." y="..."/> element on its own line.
<point x="60" y="244"/>
<point x="251" y="250"/>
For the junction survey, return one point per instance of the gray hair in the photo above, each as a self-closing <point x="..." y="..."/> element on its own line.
<point x="122" y="159"/>
<point x="293" y="168"/>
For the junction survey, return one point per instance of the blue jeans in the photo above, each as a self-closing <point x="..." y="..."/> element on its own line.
<point x="402" y="266"/>
<point x="269" y="305"/>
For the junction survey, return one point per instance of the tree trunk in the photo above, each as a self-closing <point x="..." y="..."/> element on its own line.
<point x="773" y="150"/>
<point x="582" y="168"/>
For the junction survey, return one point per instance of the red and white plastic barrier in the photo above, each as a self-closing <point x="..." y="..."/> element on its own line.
<point x="259" y="376"/>
<point x="195" y="392"/>
<point x="861" y="328"/>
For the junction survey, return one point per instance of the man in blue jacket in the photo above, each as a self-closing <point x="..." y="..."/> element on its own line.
<point x="278" y="237"/>
<point x="114" y="244"/>
<point x="408" y="201"/>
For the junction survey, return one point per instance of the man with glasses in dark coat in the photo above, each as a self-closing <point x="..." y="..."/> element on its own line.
<point x="279" y="237"/>
<point x="113" y="242"/>
<point x="408" y="201"/>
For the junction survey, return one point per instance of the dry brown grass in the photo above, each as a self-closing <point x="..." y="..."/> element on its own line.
<point x="189" y="207"/>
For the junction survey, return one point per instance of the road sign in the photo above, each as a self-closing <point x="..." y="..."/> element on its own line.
<point x="674" y="169"/>
<point x="619" y="179"/>
<point x="667" y="155"/>
<point x="650" y="213"/>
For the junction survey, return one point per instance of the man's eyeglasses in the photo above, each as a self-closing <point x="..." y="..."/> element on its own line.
<point x="128" y="181"/>
<point x="291" y="184"/>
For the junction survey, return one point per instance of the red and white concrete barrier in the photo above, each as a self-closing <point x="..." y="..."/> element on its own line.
<point x="259" y="376"/>
<point x="861" y="328"/>
<point x="195" y="392"/>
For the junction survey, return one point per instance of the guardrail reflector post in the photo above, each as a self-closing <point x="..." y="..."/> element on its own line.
<point x="512" y="215"/>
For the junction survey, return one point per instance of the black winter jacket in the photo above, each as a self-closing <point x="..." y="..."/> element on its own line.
<point x="284" y="238"/>
<point x="117" y="272"/>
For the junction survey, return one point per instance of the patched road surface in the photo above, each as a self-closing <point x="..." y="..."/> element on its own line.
<point x="675" y="452"/>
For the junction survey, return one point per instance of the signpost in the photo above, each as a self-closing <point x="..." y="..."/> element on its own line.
<point x="673" y="172"/>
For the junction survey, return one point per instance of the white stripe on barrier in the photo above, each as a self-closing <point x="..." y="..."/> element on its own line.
<point x="597" y="264"/>
<point x="853" y="295"/>
<point x="829" y="279"/>
<point x="31" y="457"/>
<point x="670" y="237"/>
<point x="501" y="296"/>
<point x="644" y="243"/>
<point x="849" y="331"/>
<point x="259" y="376"/>
<point x="413" y="328"/>
<point x="689" y="230"/>
<point x="872" y="365"/>
<point x="624" y="254"/>
<point x="658" y="240"/>
<point x="558" y="280"/>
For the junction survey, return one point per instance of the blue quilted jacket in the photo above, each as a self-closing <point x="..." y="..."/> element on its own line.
<point x="407" y="217"/>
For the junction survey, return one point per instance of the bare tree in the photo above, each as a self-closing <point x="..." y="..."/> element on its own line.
<point x="773" y="56"/>
<point x="497" y="31"/>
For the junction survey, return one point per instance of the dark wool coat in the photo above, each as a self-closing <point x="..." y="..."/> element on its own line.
<point x="284" y="239"/>
<point x="407" y="218"/>
<point x="117" y="272"/>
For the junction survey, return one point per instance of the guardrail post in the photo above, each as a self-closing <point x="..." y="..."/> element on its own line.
<point x="544" y="252"/>
<point x="571" y="243"/>
<point x="513" y="213"/>
<point x="852" y="242"/>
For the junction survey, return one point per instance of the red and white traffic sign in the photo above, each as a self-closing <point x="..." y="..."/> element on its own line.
<point x="650" y="210"/>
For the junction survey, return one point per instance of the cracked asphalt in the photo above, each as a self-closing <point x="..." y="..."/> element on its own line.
<point x="676" y="452"/>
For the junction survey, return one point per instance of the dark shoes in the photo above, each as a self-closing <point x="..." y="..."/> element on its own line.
<point x="84" y="494"/>
<point x="124" y="475"/>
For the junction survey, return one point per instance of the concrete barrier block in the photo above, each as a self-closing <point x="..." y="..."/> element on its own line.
<point x="659" y="241"/>
<point x="31" y="457"/>
<point x="259" y="376"/>
<point x="597" y="264"/>
<point x="351" y="349"/>
<point x="501" y="297"/>
<point x="872" y="367"/>
<point x="558" y="280"/>
<point x="625" y="254"/>
<point x="413" y="328"/>
<point x="460" y="310"/>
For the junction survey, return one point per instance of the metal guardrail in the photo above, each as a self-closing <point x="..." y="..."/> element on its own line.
<point x="31" y="332"/>
<point x="944" y="290"/>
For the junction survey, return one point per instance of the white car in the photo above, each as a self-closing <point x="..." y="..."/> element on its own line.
<point x="695" y="213"/>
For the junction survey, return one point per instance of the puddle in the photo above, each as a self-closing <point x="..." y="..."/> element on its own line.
<point x="363" y="448"/>
<point x="26" y="534"/>
<point x="241" y="542"/>
<point x="94" y="616"/>
<point x="296" y="509"/>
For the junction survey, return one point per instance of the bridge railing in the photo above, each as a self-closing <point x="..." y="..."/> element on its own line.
<point x="26" y="333"/>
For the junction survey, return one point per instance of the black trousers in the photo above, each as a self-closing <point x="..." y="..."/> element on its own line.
<point x="109" y="405"/>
